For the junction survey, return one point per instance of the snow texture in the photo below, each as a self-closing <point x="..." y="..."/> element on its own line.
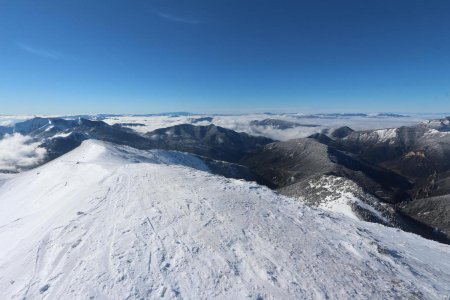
<point x="342" y="195"/>
<point x="110" y="222"/>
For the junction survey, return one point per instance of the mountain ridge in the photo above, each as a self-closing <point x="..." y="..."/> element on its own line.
<point x="157" y="224"/>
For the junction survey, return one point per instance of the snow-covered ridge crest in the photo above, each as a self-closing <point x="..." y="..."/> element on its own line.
<point x="340" y="195"/>
<point x="113" y="222"/>
<point x="99" y="152"/>
<point x="380" y="136"/>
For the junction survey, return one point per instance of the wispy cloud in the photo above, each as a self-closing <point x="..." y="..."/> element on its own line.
<point x="178" y="19"/>
<point x="45" y="53"/>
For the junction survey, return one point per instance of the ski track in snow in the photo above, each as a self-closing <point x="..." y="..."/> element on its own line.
<point x="110" y="222"/>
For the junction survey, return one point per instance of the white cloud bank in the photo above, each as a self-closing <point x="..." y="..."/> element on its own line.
<point x="18" y="151"/>
<point x="242" y="123"/>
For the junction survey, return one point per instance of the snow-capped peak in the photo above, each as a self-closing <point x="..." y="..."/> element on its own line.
<point x="108" y="221"/>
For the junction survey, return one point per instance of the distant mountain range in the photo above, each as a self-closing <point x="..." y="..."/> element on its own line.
<point x="398" y="177"/>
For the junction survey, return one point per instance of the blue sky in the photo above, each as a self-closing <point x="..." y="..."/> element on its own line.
<point x="140" y="56"/>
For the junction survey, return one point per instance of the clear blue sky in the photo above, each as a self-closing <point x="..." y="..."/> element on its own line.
<point x="141" y="56"/>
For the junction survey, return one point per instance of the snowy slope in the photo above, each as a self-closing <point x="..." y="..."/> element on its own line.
<point x="110" y="222"/>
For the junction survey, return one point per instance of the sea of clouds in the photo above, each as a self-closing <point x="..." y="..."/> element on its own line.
<point x="19" y="152"/>
<point x="243" y="123"/>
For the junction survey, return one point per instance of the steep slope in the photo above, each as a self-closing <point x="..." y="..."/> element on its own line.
<point x="210" y="141"/>
<point x="322" y="175"/>
<point x="341" y="132"/>
<point x="414" y="151"/>
<point x="108" y="221"/>
<point x="434" y="211"/>
<point x="420" y="153"/>
<point x="285" y="163"/>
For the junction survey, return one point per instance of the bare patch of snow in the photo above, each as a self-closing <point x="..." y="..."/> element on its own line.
<point x="386" y="135"/>
<point x="62" y="135"/>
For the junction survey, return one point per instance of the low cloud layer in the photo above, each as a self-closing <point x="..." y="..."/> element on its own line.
<point x="243" y="123"/>
<point x="19" y="152"/>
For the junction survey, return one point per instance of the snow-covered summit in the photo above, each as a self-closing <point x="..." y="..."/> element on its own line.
<point x="111" y="222"/>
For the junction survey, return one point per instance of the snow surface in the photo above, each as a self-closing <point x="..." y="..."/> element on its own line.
<point x="339" y="195"/>
<point x="385" y="135"/>
<point x="436" y="133"/>
<point x="379" y="136"/>
<point x="61" y="135"/>
<point x="110" y="222"/>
